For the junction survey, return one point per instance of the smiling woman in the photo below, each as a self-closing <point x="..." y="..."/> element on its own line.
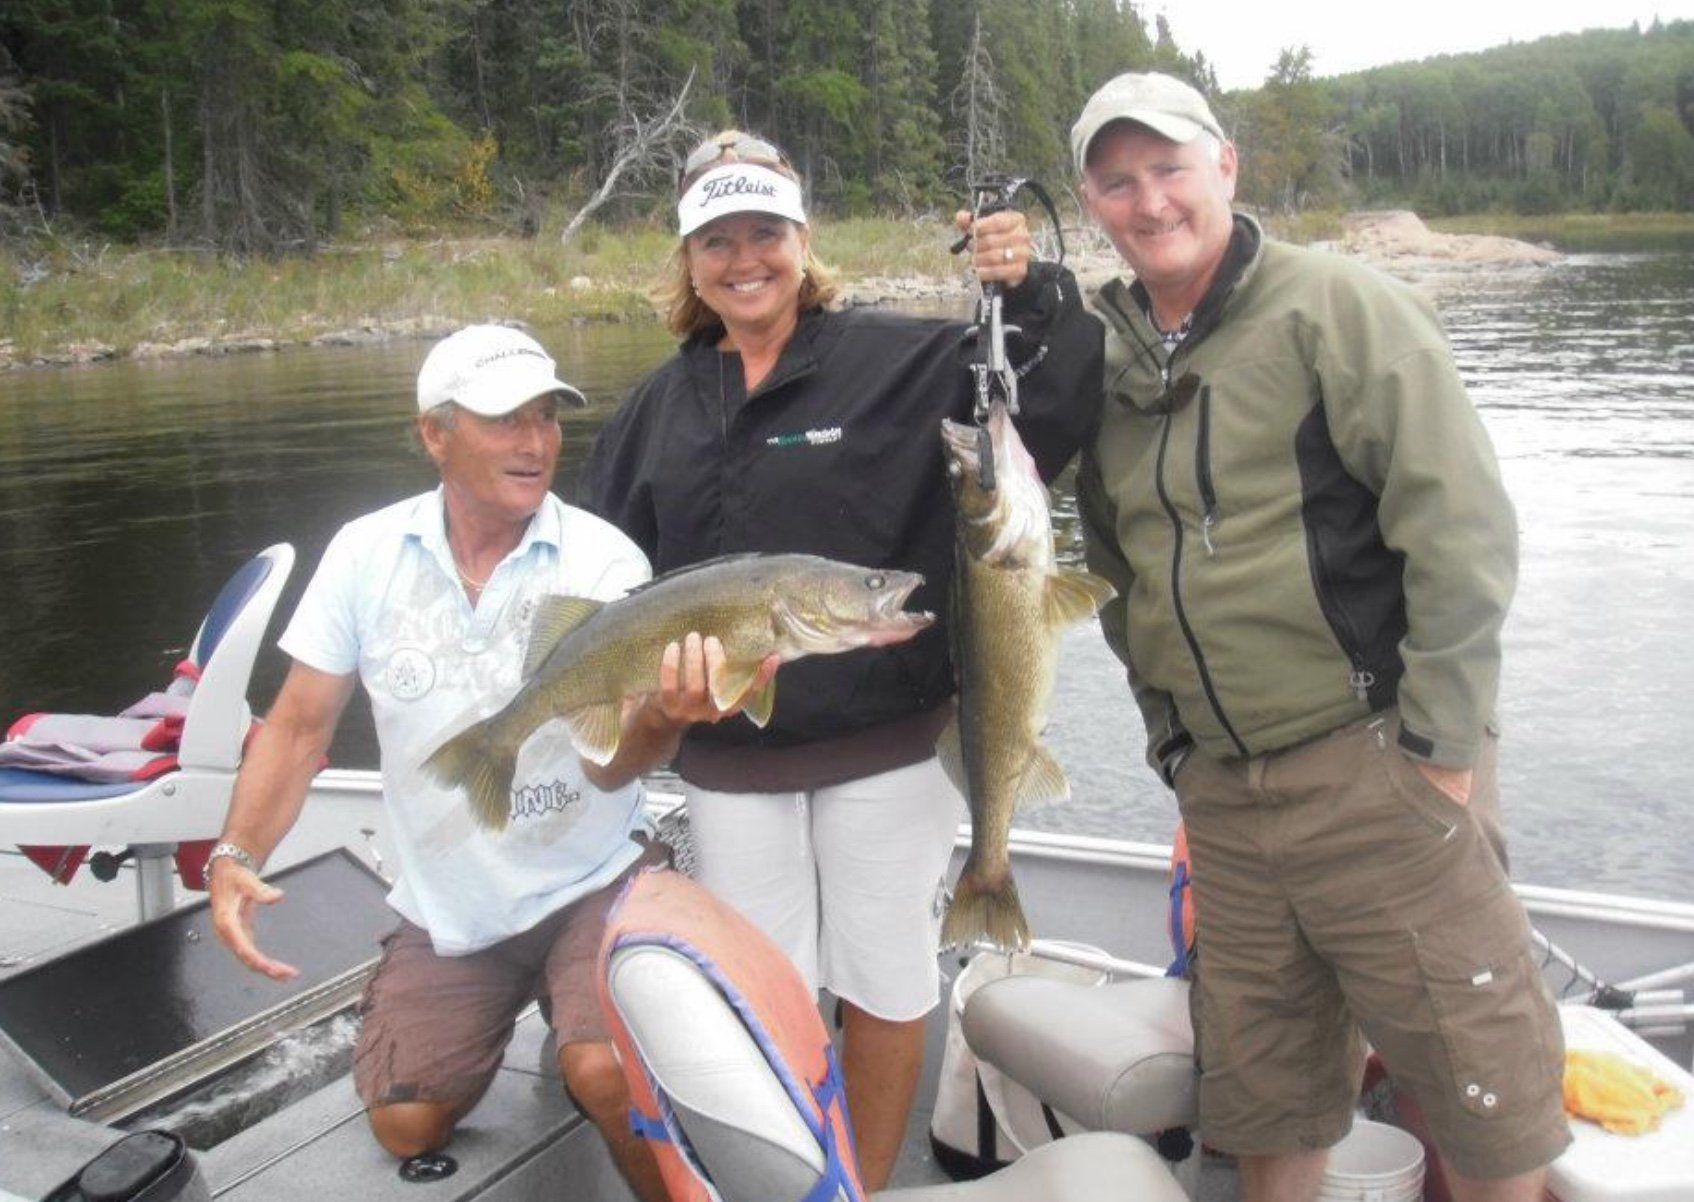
<point x="780" y="426"/>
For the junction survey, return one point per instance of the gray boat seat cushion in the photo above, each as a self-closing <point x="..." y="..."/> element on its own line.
<point x="1099" y="1166"/>
<point x="741" y="1123"/>
<point x="1116" y="1057"/>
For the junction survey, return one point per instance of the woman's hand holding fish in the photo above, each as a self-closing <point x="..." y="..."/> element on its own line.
<point x="685" y="673"/>
<point x="653" y="723"/>
<point x="1001" y="248"/>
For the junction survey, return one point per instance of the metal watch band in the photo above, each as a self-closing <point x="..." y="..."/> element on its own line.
<point x="231" y="851"/>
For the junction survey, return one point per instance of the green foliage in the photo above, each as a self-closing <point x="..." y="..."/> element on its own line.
<point x="1598" y="120"/>
<point x="1294" y="160"/>
<point x="1660" y="161"/>
<point x="139" y="208"/>
<point x="260" y="126"/>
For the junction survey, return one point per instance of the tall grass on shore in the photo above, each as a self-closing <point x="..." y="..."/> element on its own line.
<point x="61" y="295"/>
<point x="57" y="296"/>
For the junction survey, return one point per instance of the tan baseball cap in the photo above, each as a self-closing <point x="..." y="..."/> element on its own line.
<point x="1164" y="104"/>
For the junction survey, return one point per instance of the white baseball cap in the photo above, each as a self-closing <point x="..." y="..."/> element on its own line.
<point x="1164" y="104"/>
<point x="490" y="370"/>
<point x="738" y="188"/>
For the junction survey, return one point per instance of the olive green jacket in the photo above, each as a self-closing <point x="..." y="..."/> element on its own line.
<point x="1301" y="512"/>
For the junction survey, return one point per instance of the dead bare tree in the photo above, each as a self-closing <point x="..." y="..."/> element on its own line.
<point x="641" y="142"/>
<point x="980" y="108"/>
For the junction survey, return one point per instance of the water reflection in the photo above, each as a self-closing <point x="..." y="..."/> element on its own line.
<point x="130" y="491"/>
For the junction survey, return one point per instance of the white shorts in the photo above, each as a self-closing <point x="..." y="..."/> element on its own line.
<point x="847" y="879"/>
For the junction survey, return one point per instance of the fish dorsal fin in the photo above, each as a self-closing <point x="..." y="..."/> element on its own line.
<point x="595" y="730"/>
<point x="1074" y="596"/>
<point x="555" y="617"/>
<point x="950" y="750"/>
<point x="1043" y="781"/>
<point x="691" y="568"/>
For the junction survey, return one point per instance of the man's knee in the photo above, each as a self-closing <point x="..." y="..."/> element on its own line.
<point x="407" y="1129"/>
<point x="595" y="1079"/>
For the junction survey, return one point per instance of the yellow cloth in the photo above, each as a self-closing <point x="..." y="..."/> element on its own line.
<point x="1616" y="1093"/>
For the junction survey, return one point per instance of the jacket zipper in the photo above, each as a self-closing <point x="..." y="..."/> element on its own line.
<point x="1203" y="470"/>
<point x="1176" y="585"/>
<point x="1359" y="677"/>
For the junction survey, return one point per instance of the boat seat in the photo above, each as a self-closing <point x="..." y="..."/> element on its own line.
<point x="1116" y="1057"/>
<point x="748" y="1137"/>
<point x="188" y="803"/>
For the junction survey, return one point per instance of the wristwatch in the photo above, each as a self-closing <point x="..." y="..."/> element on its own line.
<point x="231" y="851"/>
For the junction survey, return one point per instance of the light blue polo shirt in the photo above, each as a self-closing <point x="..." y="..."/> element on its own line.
<point x="385" y="602"/>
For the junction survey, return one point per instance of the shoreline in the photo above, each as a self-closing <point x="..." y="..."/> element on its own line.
<point x="609" y="281"/>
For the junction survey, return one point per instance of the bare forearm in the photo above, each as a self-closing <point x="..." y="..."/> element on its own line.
<point x="285" y="754"/>
<point x="271" y="789"/>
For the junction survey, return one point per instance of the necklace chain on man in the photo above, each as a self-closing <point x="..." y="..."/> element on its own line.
<point x="470" y="581"/>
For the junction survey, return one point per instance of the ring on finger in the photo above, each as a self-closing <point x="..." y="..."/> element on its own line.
<point x="1008" y="254"/>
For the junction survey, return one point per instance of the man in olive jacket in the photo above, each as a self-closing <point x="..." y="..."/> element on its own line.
<point x="1314" y="555"/>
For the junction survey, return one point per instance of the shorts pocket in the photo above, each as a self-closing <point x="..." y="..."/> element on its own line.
<point x="1491" y="1009"/>
<point x="1417" y="793"/>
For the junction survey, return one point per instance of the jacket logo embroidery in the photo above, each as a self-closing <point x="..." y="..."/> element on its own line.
<point x="811" y="438"/>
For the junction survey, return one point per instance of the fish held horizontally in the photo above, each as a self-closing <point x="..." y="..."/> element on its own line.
<point x="1010" y="601"/>
<point x="585" y="657"/>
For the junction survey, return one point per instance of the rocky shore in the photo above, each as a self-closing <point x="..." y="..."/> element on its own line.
<point x="1399" y="238"/>
<point x="1395" y="240"/>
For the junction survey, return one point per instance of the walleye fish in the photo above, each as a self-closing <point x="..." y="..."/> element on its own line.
<point x="584" y="657"/>
<point x="1010" y="600"/>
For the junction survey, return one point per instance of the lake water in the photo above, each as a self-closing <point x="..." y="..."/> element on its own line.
<point x="129" y="491"/>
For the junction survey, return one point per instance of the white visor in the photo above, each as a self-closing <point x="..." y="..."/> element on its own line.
<point x="738" y="188"/>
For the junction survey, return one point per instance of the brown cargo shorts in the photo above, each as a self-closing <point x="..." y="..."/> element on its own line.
<point x="435" y="1027"/>
<point x="1337" y="891"/>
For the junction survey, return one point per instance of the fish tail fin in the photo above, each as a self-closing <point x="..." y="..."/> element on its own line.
<point x="478" y="761"/>
<point x="984" y="907"/>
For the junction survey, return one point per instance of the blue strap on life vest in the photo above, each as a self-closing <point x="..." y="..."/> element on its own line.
<point x="646" y="1128"/>
<point x="832" y="1185"/>
<point x="1179" y="902"/>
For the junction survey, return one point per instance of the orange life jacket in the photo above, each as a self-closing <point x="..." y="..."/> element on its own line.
<point x="663" y="908"/>
<point x="1181" y="905"/>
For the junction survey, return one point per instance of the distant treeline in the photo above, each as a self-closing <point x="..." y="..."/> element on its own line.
<point x="258" y="125"/>
<point x="1598" y="120"/>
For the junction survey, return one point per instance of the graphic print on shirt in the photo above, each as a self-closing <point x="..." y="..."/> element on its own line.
<point x="410" y="673"/>
<point x="425" y="652"/>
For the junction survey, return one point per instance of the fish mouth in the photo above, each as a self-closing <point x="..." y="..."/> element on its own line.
<point x="962" y="444"/>
<point x="901" y="585"/>
<point x="890" y="621"/>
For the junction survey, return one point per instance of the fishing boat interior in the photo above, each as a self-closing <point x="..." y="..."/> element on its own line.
<point x="142" y="1061"/>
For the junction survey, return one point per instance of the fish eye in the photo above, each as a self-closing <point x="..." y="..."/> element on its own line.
<point x="875" y="581"/>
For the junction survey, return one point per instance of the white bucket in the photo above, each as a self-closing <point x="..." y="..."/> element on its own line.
<point x="1375" y="1163"/>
